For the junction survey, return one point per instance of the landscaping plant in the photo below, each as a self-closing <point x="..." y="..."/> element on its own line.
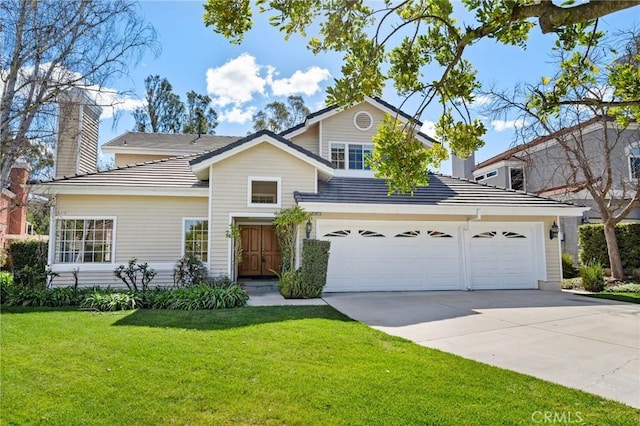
<point x="592" y="276"/>
<point x="189" y="271"/>
<point x="568" y="270"/>
<point x="132" y="272"/>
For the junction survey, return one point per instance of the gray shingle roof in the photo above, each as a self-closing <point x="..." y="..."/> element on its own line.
<point x="169" y="173"/>
<point x="180" y="143"/>
<point x="442" y="191"/>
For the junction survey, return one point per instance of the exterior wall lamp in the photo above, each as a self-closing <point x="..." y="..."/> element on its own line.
<point x="553" y="232"/>
<point x="308" y="228"/>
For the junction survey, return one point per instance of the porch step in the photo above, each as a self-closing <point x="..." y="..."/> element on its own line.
<point x="259" y="286"/>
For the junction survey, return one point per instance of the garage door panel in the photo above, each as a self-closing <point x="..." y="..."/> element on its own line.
<point x="406" y="257"/>
<point x="502" y="256"/>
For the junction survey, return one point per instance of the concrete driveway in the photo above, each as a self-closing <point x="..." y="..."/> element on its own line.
<point x="580" y="342"/>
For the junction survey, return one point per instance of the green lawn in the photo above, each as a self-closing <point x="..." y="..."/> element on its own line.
<point x="275" y="365"/>
<point x="623" y="297"/>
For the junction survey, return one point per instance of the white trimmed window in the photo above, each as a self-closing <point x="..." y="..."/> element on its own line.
<point x="264" y="192"/>
<point x="351" y="156"/>
<point x="634" y="163"/>
<point x="84" y="240"/>
<point x="196" y="238"/>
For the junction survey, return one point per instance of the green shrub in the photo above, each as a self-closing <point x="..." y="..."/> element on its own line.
<point x="189" y="271"/>
<point x="624" y="288"/>
<point x="57" y="297"/>
<point x="594" y="246"/>
<point x="6" y="284"/>
<point x="592" y="276"/>
<point x="290" y="284"/>
<point x="107" y="299"/>
<point x="99" y="301"/>
<point x="28" y="260"/>
<point x="568" y="270"/>
<point x="313" y="274"/>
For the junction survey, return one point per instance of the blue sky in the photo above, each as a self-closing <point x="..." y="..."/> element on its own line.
<point x="242" y="79"/>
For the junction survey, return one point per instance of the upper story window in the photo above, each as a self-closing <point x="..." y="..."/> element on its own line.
<point x="263" y="192"/>
<point x="488" y="175"/>
<point x="634" y="163"/>
<point x="516" y="177"/>
<point x="84" y="241"/>
<point x="196" y="238"/>
<point x="350" y="156"/>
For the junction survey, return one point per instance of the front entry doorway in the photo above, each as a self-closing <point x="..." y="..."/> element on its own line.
<point x="260" y="251"/>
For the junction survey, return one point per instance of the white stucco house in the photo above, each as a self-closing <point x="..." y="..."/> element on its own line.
<point x="171" y="194"/>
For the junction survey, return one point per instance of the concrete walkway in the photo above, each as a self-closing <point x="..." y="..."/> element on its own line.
<point x="274" y="298"/>
<point x="577" y="341"/>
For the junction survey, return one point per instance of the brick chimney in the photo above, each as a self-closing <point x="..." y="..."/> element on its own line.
<point x="77" y="145"/>
<point x="18" y="213"/>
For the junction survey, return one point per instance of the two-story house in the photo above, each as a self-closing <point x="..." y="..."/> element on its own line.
<point x="551" y="166"/>
<point x="174" y="194"/>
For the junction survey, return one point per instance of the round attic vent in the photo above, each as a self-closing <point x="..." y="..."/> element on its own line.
<point x="363" y="120"/>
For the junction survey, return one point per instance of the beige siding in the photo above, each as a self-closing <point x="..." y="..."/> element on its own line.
<point x="340" y="127"/>
<point x="229" y="194"/>
<point x="67" y="146"/>
<point x="126" y="159"/>
<point x="552" y="248"/>
<point x="147" y="228"/>
<point x="88" y="142"/>
<point x="309" y="140"/>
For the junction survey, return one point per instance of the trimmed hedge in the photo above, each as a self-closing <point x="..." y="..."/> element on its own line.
<point x="308" y="281"/>
<point x="28" y="253"/>
<point x="593" y="246"/>
<point x="315" y="260"/>
<point x="28" y="261"/>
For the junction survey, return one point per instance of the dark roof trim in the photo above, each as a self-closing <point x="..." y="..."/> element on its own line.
<point x="258" y="135"/>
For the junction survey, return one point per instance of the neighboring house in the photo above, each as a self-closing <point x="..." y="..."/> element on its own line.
<point x="174" y="194"/>
<point x="541" y="167"/>
<point x="13" y="207"/>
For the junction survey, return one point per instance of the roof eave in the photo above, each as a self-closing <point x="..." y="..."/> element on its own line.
<point x="49" y="189"/>
<point x="470" y="210"/>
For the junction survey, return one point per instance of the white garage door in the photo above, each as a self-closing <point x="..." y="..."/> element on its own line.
<point x="504" y="256"/>
<point x="405" y="256"/>
<point x="387" y="256"/>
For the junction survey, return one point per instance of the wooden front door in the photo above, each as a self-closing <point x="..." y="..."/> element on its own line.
<point x="260" y="251"/>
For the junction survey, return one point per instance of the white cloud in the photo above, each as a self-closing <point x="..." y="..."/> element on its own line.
<point x="301" y="82"/>
<point x="236" y="81"/>
<point x="502" y="125"/>
<point x="429" y="128"/>
<point x="237" y="115"/>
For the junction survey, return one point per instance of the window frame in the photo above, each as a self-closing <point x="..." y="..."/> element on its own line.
<point x="631" y="156"/>
<point x="347" y="155"/>
<point x="251" y="179"/>
<point x="524" y="181"/>
<point x="84" y="265"/>
<point x="184" y="235"/>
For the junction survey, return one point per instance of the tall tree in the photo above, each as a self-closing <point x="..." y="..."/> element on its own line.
<point x="199" y="117"/>
<point x="163" y="111"/>
<point x="50" y="47"/>
<point x="419" y="46"/>
<point x="597" y="89"/>
<point x="278" y="116"/>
